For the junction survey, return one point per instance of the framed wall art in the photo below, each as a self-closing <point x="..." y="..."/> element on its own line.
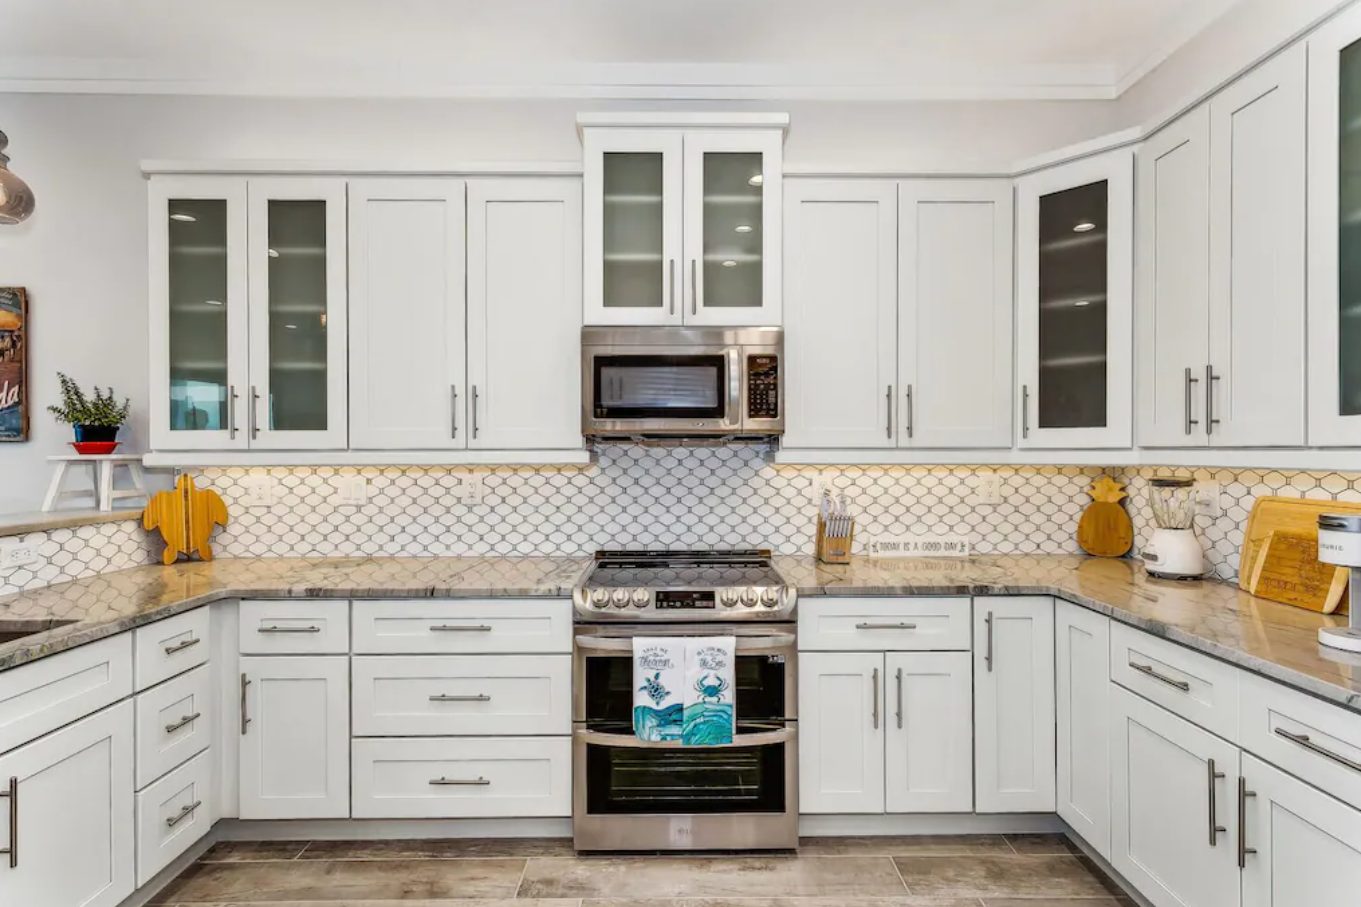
<point x="13" y="364"/>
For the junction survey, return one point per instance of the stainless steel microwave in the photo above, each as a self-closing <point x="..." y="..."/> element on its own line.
<point x="682" y="382"/>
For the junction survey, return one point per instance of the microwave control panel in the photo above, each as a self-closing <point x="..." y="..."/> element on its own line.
<point x="763" y="386"/>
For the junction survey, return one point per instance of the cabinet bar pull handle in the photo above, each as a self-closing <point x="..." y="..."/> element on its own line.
<point x="1189" y="382"/>
<point x="1212" y="776"/>
<point x="474" y="410"/>
<point x="1210" y="420"/>
<point x="187" y="719"/>
<point x="888" y="410"/>
<point x="987" y="654"/>
<point x="475" y="782"/>
<point x="1148" y="670"/>
<point x="1304" y="741"/>
<point x="671" y="267"/>
<point x="12" y="795"/>
<point x="900" y="699"/>
<point x="183" y="814"/>
<point x="453" y="411"/>
<point x="460" y="628"/>
<point x="910" y="418"/>
<point x="897" y="626"/>
<point x="874" y="689"/>
<point x="1025" y="410"/>
<point x="1243" y="848"/>
<point x="694" y="286"/>
<point x="181" y="646"/>
<point x="252" y="416"/>
<point x="448" y="697"/>
<point x="245" y="719"/>
<point x="275" y="628"/>
<point x="231" y="411"/>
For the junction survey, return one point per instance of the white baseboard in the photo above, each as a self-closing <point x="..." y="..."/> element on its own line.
<point x="929" y="824"/>
<point x="389" y="829"/>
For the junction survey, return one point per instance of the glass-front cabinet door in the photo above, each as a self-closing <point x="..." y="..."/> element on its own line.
<point x="198" y="334"/>
<point x="297" y="266"/>
<point x="1074" y="282"/>
<point x="1334" y="232"/>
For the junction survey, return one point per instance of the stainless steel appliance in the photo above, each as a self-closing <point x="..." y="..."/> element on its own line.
<point x="677" y="383"/>
<point x="634" y="795"/>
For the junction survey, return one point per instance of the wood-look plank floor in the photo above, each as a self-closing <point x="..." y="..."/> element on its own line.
<point x="923" y="871"/>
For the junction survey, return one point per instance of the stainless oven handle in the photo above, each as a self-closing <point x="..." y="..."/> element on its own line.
<point x="628" y="741"/>
<point x="744" y="643"/>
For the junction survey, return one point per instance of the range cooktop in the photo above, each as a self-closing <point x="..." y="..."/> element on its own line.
<point x="736" y="584"/>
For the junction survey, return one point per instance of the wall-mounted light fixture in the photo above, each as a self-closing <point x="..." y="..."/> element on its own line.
<point x="16" y="199"/>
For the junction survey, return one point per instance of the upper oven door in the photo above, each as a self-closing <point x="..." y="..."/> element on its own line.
<point x="656" y="390"/>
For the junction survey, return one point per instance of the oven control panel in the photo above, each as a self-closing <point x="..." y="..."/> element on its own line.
<point x="670" y="600"/>
<point x="763" y="386"/>
<point x="735" y="603"/>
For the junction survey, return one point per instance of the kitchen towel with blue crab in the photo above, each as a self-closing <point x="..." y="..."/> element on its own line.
<point x="658" y="678"/>
<point x="709" y="716"/>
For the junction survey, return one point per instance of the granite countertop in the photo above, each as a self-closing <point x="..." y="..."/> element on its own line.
<point x="1274" y="640"/>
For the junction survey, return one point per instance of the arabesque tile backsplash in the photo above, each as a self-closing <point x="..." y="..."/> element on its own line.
<point x="676" y="497"/>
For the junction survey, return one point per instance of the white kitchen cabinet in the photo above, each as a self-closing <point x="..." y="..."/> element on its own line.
<point x="408" y="375"/>
<point x="928" y="732"/>
<point x="1082" y="699"/>
<point x="1256" y="378"/>
<point x="1173" y="818"/>
<point x="1334" y="232"/>
<point x="71" y="796"/>
<point x="524" y="313"/>
<point x="1174" y="272"/>
<point x="841" y="313"/>
<point x="1014" y="704"/>
<point x="955" y="313"/>
<point x="841" y="739"/>
<point x="683" y="226"/>
<point x="295" y="737"/>
<point x="296" y="263"/>
<point x="1300" y="846"/>
<point x="1074" y="282"/>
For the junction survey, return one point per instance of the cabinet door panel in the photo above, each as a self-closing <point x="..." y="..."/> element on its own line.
<point x="75" y="815"/>
<point x="524" y="313"/>
<point x="1014" y="704"/>
<point x="1174" y="270"/>
<point x="1165" y="775"/>
<point x="928" y="717"/>
<point x="295" y="740"/>
<point x="954" y="340"/>
<point x="1257" y="188"/>
<point x="841" y="732"/>
<point x="841" y="321"/>
<point x="408" y="387"/>
<point x="1082" y="666"/>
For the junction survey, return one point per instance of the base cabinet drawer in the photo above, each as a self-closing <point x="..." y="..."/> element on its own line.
<point x="174" y="723"/>
<point x="461" y="695"/>
<point x="171" y="646"/>
<point x="885" y="624"/>
<point x="1195" y="686"/>
<point x="463" y="626"/>
<point x="319" y="627"/>
<point x="41" y="697"/>
<point x="474" y="777"/>
<point x="172" y="814"/>
<point x="1314" y="741"/>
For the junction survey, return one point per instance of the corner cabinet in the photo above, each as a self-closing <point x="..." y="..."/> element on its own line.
<point x="682" y="226"/>
<point x="248" y="306"/>
<point x="1074" y="262"/>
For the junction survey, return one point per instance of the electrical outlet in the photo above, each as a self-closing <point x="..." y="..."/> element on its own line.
<point x="18" y="554"/>
<point x="1207" y="500"/>
<point x="259" y="491"/>
<point x="470" y="489"/>
<point x="351" y="491"/>
<point x="987" y="489"/>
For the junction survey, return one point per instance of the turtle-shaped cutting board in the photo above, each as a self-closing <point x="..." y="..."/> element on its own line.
<point x="185" y="517"/>
<point x="1105" y="529"/>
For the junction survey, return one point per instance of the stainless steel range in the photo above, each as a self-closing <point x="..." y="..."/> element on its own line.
<point x="634" y="795"/>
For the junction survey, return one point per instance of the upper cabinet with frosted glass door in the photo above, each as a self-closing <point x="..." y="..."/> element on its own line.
<point x="1074" y="258"/>
<point x="682" y="220"/>
<point x="1334" y="233"/>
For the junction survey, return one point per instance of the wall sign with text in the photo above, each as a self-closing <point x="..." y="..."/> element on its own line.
<point x="13" y="362"/>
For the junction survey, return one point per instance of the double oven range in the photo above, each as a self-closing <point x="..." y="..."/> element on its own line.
<point x="634" y="795"/>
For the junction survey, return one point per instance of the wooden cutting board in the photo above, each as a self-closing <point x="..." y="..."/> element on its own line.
<point x="1105" y="529"/>
<point x="1288" y="570"/>
<point x="1289" y="515"/>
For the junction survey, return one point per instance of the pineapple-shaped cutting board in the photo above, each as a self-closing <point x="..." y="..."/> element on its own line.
<point x="185" y="517"/>
<point x="1105" y="529"/>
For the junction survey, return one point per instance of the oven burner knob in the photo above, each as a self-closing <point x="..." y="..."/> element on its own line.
<point x="600" y="598"/>
<point x="640" y="598"/>
<point x="728" y="597"/>
<point x="770" y="597"/>
<point x="621" y="598"/>
<point x="749" y="597"/>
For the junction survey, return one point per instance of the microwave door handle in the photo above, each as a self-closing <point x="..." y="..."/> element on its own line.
<point x="735" y="415"/>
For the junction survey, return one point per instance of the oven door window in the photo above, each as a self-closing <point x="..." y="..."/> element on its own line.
<point x="622" y="780"/>
<point x="660" y="387"/>
<point x="759" y="679"/>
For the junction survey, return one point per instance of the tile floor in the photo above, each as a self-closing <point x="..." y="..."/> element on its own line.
<point x="931" y="871"/>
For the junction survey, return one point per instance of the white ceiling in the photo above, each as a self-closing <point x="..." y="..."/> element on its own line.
<point x="597" y="48"/>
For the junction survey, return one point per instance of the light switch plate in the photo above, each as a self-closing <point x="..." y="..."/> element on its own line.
<point x="987" y="489"/>
<point x="470" y="489"/>
<point x="351" y="491"/>
<point x="259" y="491"/>
<point x="1207" y="500"/>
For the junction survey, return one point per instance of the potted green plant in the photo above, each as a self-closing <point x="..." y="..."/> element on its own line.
<point x="95" y="419"/>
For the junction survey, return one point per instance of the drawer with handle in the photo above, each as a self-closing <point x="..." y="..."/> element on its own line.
<point x="926" y="624"/>
<point x="1195" y="686"/>
<point x="43" y="695"/>
<point x="171" y="646"/>
<point x="172" y="814"/>
<point x="461" y="695"/>
<point x="463" y="626"/>
<point x="1312" y="739"/>
<point x="469" y="777"/>
<point x="316" y="627"/>
<point x="174" y="723"/>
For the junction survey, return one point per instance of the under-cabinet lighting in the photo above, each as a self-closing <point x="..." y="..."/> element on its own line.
<point x="184" y="218"/>
<point x="743" y="228"/>
<point x="1085" y="227"/>
<point x="756" y="180"/>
